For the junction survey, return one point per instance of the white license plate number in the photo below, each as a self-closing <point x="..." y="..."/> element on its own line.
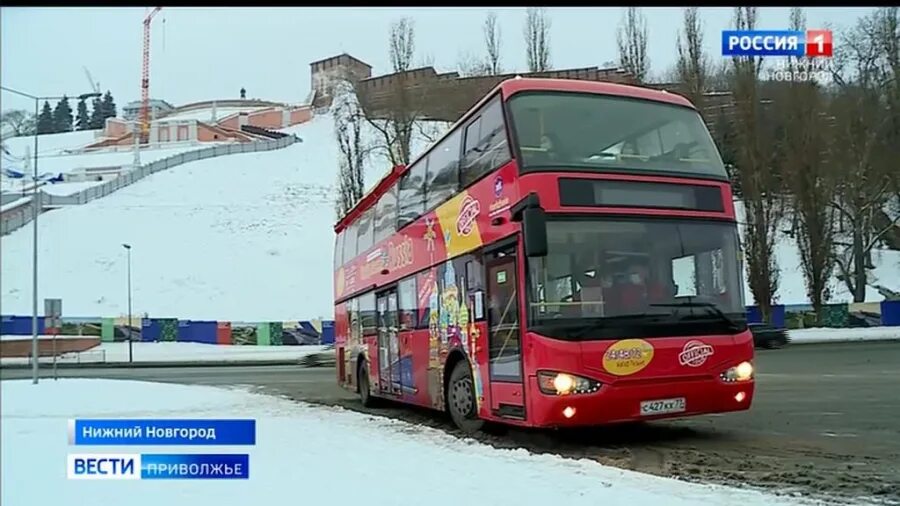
<point x="663" y="406"/>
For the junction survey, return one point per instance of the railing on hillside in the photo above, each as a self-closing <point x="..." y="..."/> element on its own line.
<point x="14" y="218"/>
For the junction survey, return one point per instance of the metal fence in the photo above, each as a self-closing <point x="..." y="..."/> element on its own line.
<point x="13" y="219"/>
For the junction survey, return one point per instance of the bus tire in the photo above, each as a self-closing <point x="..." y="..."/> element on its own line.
<point x="362" y="382"/>
<point x="461" y="401"/>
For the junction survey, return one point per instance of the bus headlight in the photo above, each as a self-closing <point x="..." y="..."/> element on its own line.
<point x="560" y="383"/>
<point x="740" y="372"/>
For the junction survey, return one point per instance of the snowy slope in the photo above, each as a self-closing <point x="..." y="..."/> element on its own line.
<point x="792" y="287"/>
<point x="49" y="144"/>
<point x="302" y="451"/>
<point x="240" y="237"/>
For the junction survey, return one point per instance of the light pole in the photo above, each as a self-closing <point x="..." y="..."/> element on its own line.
<point x="130" y="353"/>
<point x="36" y="210"/>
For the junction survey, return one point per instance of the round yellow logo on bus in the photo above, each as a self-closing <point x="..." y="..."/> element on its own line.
<point x="627" y="357"/>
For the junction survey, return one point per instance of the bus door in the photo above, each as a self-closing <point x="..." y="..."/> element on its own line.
<point x="388" y="347"/>
<point x="504" y="340"/>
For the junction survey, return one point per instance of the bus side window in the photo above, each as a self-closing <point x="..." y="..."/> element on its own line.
<point x="475" y="288"/>
<point x="412" y="194"/>
<point x="366" y="233"/>
<point x="443" y="171"/>
<point x="486" y="147"/>
<point x="355" y="323"/>
<point x="406" y="292"/>
<point x="339" y="249"/>
<point x="367" y="315"/>
<point x="350" y="242"/>
<point x="386" y="215"/>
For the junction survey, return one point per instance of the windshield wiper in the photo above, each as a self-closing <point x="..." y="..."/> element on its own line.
<point x="732" y="325"/>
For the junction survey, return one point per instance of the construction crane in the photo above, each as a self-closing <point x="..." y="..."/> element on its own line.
<point x="95" y="85"/>
<point x="145" y="79"/>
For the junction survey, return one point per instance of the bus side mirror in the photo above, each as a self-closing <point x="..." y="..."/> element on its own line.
<point x="534" y="225"/>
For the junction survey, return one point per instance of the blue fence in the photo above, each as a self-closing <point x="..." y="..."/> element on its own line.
<point x="166" y="329"/>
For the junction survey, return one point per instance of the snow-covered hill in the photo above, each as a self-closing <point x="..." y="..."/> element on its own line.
<point x="244" y="236"/>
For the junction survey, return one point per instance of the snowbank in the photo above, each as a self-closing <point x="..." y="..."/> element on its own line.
<point x="823" y="335"/>
<point x="325" y="456"/>
<point x="176" y="352"/>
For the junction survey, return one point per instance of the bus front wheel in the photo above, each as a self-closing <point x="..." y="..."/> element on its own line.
<point x="461" y="399"/>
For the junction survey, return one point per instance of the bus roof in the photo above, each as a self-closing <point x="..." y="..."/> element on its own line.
<point x="507" y="89"/>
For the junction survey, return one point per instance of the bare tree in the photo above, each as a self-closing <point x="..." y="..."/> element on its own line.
<point x="756" y="174"/>
<point x="632" y="41"/>
<point x="348" y="129"/>
<point x="693" y="64"/>
<point x="469" y="65"/>
<point x="867" y="62"/>
<point x="18" y="122"/>
<point x="537" y="39"/>
<point x="492" y="42"/>
<point x="395" y="129"/>
<point x="402" y="44"/>
<point x="804" y="130"/>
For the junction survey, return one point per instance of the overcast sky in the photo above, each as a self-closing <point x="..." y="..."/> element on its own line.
<point x="203" y="53"/>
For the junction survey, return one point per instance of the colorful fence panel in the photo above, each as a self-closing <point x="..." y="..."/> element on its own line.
<point x="19" y="325"/>
<point x="327" y="336"/>
<point x="223" y="333"/>
<point x="890" y="313"/>
<point x="168" y="330"/>
<point x="150" y="330"/>
<point x="243" y="333"/>
<point x="192" y="331"/>
<point x="755" y="316"/>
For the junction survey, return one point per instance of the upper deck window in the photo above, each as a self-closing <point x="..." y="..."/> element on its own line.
<point x="601" y="132"/>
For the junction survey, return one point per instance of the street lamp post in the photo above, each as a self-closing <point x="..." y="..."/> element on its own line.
<point x="36" y="210"/>
<point x="130" y="353"/>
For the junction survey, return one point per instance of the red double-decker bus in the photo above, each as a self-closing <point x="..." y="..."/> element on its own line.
<point x="566" y="255"/>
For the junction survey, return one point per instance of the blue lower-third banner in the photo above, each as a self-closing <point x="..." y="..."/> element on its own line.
<point x="158" y="466"/>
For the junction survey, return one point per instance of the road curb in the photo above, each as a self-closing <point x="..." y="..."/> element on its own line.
<point x="142" y="365"/>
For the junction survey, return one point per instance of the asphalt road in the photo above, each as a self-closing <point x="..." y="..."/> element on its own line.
<point x="825" y="421"/>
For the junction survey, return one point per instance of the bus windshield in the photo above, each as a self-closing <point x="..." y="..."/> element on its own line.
<point x="643" y="277"/>
<point x="590" y="131"/>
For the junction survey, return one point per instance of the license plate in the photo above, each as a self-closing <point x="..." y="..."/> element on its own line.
<point x="662" y="406"/>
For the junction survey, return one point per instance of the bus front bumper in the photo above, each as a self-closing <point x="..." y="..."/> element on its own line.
<point x="623" y="402"/>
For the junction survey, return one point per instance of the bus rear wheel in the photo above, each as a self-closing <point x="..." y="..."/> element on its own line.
<point x="362" y="381"/>
<point x="461" y="400"/>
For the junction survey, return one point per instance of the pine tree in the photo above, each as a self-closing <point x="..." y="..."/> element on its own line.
<point x="62" y="116"/>
<point x="83" y="119"/>
<point x="97" y="119"/>
<point x="109" y="106"/>
<point x="45" y="123"/>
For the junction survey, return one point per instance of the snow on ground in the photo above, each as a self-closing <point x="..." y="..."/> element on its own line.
<point x="48" y="144"/>
<point x="309" y="452"/>
<point x="241" y="237"/>
<point x="64" y="163"/>
<point x="792" y="285"/>
<point x="823" y="335"/>
<point x="177" y="352"/>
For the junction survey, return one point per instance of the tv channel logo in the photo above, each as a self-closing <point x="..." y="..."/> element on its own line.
<point x="103" y="466"/>
<point x="809" y="43"/>
<point x="157" y="466"/>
